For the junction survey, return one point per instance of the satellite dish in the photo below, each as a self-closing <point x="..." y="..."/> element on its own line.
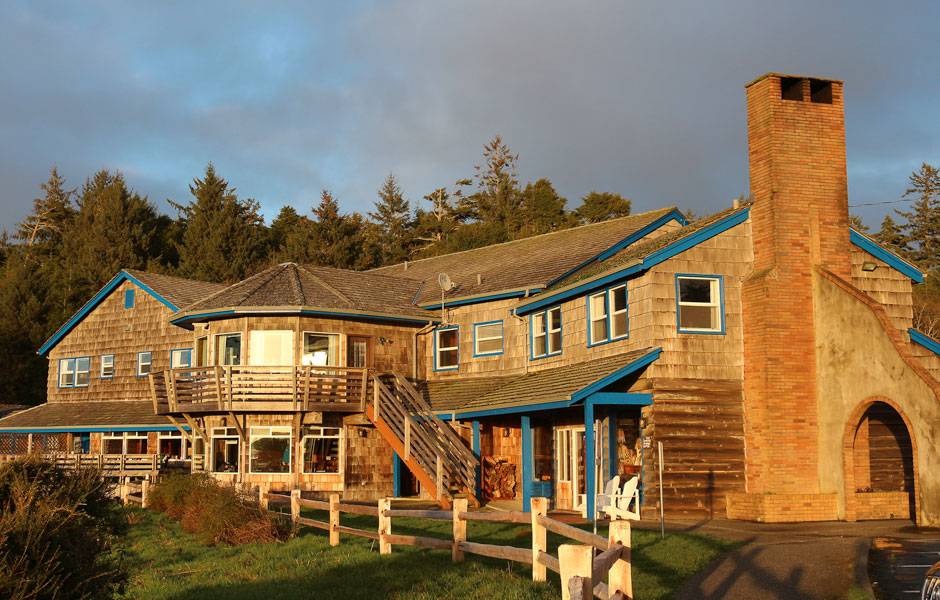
<point x="443" y="280"/>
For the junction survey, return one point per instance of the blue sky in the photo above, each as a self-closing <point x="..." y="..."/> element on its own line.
<point x="290" y="98"/>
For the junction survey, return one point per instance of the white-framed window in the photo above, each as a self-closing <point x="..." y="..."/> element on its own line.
<point x="173" y="444"/>
<point x="322" y="450"/>
<point x="228" y="349"/>
<point x="269" y="450"/>
<point x="447" y="348"/>
<point x="607" y="315"/>
<point x="224" y="450"/>
<point x="488" y="338"/>
<point x="112" y="442"/>
<point x="202" y="351"/>
<point x="545" y="329"/>
<point x="699" y="304"/>
<point x="124" y="442"/>
<point x="74" y="372"/>
<point x="181" y="358"/>
<point x="271" y="348"/>
<point x="144" y="363"/>
<point x="107" y="366"/>
<point x="320" y="349"/>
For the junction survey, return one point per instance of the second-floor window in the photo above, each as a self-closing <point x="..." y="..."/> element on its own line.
<point x="320" y="350"/>
<point x="182" y="357"/>
<point x="546" y="332"/>
<point x="107" y="366"/>
<point x="607" y="315"/>
<point x="229" y="349"/>
<point x="699" y="304"/>
<point x="202" y="351"/>
<point x="74" y="372"/>
<point x="144" y="363"/>
<point x="488" y="338"/>
<point x="447" y="349"/>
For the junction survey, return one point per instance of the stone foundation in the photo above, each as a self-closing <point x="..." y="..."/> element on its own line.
<point x="782" y="508"/>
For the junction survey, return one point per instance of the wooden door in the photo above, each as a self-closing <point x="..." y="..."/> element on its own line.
<point x="359" y="352"/>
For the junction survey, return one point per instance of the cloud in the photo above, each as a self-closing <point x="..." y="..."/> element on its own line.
<point x="638" y="98"/>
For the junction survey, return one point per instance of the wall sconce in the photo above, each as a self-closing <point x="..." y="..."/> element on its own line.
<point x="363" y="433"/>
<point x="868" y="267"/>
<point x="505" y="432"/>
<point x="383" y="341"/>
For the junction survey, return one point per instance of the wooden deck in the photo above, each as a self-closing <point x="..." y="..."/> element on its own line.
<point x="110" y="465"/>
<point x="257" y="389"/>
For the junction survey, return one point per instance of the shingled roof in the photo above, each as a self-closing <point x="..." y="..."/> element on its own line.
<point x="78" y="416"/>
<point x="179" y="291"/>
<point x="291" y="286"/>
<point x="538" y="387"/>
<point x="531" y="262"/>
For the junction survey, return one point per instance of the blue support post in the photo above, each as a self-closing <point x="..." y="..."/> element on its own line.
<point x="526" y="461"/>
<point x="396" y="475"/>
<point x="612" y="444"/>
<point x="589" y="486"/>
<point x="475" y="446"/>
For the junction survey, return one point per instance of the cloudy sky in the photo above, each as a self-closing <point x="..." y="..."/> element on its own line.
<point x="289" y="99"/>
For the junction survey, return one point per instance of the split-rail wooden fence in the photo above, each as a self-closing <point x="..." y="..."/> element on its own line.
<point x="581" y="570"/>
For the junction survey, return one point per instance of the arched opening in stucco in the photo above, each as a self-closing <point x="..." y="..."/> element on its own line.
<point x="881" y="465"/>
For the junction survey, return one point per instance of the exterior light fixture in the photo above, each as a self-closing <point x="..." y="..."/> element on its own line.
<point x="868" y="266"/>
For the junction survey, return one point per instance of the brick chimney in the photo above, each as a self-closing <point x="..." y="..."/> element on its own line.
<point x="799" y="219"/>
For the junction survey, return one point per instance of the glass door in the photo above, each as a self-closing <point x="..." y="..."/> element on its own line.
<point x="570" y="457"/>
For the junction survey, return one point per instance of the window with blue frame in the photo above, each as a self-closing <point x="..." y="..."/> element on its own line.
<point x="144" y="363"/>
<point x="700" y="304"/>
<point x="447" y="348"/>
<point x="607" y="315"/>
<point x="488" y="338"/>
<point x="130" y="297"/>
<point x="74" y="372"/>
<point x="545" y="332"/>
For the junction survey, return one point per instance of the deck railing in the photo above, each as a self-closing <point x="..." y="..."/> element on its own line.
<point x="257" y="388"/>
<point x="124" y="465"/>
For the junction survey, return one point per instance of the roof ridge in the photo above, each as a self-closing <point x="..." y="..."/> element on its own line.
<point x="664" y="210"/>
<point x="332" y="289"/>
<point x="298" y="287"/>
<point x="136" y="272"/>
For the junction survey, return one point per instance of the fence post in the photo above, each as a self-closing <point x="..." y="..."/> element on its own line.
<point x="334" y="519"/>
<point x="262" y="497"/>
<point x="145" y="493"/>
<point x="574" y="564"/>
<point x="539" y="506"/>
<point x="460" y="529"/>
<point x="621" y="576"/>
<point x="385" y="526"/>
<point x="295" y="506"/>
<point x="122" y="489"/>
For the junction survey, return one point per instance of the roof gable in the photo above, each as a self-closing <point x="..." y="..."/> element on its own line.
<point x="897" y="263"/>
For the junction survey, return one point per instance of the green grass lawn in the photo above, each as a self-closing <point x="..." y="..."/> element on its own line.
<point x="166" y="562"/>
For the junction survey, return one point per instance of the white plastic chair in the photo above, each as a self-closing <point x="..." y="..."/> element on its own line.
<point x="619" y="507"/>
<point x="611" y="490"/>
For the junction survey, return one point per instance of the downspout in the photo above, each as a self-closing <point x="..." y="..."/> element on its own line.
<point x="525" y="333"/>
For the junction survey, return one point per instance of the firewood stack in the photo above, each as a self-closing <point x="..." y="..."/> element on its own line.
<point x="499" y="478"/>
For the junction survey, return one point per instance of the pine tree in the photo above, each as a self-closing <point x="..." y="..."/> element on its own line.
<point x="395" y="227"/>
<point x="337" y="235"/>
<point x="224" y="239"/>
<point x="543" y="210"/>
<point x="449" y="210"/>
<point x="856" y="223"/>
<point x="51" y="214"/>
<point x="891" y="235"/>
<point x="922" y="230"/>
<point x="601" y="206"/>
<point x="498" y="198"/>
<point x="286" y="220"/>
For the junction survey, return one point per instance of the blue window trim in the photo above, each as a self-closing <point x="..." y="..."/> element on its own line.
<point x="130" y="298"/>
<point x="101" y="366"/>
<point x="74" y="360"/>
<point x="137" y="366"/>
<point x="924" y="340"/>
<point x="610" y="316"/>
<point x="561" y="331"/>
<point x="190" y="350"/>
<point x="721" y="303"/>
<point x="502" y="339"/>
<point x="436" y="332"/>
<point x="890" y="258"/>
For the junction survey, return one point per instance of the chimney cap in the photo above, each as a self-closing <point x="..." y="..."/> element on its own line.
<point x="788" y="75"/>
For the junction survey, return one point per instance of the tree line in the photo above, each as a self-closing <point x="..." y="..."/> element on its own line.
<point x="76" y="239"/>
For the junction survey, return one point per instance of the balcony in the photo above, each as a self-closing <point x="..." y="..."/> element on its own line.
<point x="109" y="465"/>
<point x="244" y="389"/>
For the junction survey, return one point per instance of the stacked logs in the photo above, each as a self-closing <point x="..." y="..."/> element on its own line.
<point x="499" y="478"/>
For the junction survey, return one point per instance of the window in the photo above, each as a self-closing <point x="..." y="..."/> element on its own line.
<point x="202" y="351"/>
<point x="699" y="304"/>
<point x="229" y="350"/>
<point x="144" y="363"/>
<point x="74" y="372"/>
<point x="173" y="444"/>
<point x="271" y="348"/>
<point x="270" y="450"/>
<point x="447" y="349"/>
<point x="357" y="352"/>
<point x="112" y="442"/>
<point x="107" y="366"/>
<point x="130" y="297"/>
<point x="124" y="442"/>
<point x="321" y="449"/>
<point x="321" y="350"/>
<point x="182" y="358"/>
<point x="225" y="447"/>
<point x="488" y="338"/>
<point x="607" y="315"/>
<point x="546" y="332"/>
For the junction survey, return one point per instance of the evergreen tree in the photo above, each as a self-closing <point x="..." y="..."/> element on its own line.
<point x="224" y="238"/>
<point x="498" y="197"/>
<point x="922" y="230"/>
<point x="435" y="226"/>
<point x="543" y="210"/>
<point x="287" y="220"/>
<point x="891" y="235"/>
<point x="51" y="214"/>
<point x="856" y="223"/>
<point x="337" y="236"/>
<point x="393" y="217"/>
<point x="601" y="206"/>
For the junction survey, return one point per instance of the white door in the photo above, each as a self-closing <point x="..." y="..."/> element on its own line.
<point x="569" y="467"/>
<point x="271" y="348"/>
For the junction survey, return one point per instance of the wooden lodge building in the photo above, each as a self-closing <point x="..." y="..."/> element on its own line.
<point x="769" y="348"/>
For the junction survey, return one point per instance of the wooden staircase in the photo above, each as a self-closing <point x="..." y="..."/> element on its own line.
<point x="436" y="455"/>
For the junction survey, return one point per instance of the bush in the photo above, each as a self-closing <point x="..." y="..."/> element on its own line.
<point x="56" y="533"/>
<point x="214" y="512"/>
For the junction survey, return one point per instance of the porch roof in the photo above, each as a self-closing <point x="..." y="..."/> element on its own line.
<point x="86" y="416"/>
<point x="550" y="388"/>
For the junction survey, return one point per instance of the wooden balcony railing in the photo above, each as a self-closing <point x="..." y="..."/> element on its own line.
<point x="259" y="389"/>
<point x="108" y="464"/>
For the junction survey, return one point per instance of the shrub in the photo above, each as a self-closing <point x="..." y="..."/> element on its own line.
<point x="56" y="533"/>
<point x="214" y="512"/>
